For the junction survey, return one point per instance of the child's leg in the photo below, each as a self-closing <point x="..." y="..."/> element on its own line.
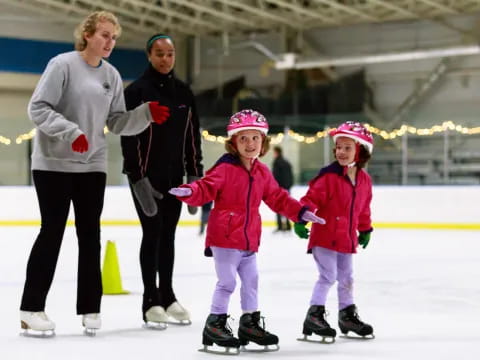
<point x="251" y="327"/>
<point x="345" y="280"/>
<point x="326" y="261"/>
<point x="226" y="265"/>
<point x="249" y="276"/>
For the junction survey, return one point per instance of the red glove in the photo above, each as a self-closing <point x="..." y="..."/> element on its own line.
<point x="80" y="144"/>
<point x="160" y="113"/>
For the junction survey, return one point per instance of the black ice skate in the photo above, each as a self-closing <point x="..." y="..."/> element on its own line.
<point x="348" y="320"/>
<point x="217" y="331"/>
<point x="250" y="330"/>
<point x="315" y="323"/>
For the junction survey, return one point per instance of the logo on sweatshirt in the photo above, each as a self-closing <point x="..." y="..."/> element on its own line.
<point x="107" y="88"/>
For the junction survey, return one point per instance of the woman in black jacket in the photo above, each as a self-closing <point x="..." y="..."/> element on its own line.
<point x="282" y="172"/>
<point x="155" y="161"/>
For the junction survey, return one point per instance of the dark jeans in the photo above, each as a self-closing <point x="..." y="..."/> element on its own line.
<point x="205" y="213"/>
<point x="55" y="192"/>
<point x="283" y="223"/>
<point x="157" y="252"/>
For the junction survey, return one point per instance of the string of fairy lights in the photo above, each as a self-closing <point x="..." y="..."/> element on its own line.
<point x="386" y="135"/>
<point x="278" y="138"/>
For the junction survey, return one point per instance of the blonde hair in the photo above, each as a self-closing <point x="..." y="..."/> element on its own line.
<point x="232" y="149"/>
<point x="89" y="26"/>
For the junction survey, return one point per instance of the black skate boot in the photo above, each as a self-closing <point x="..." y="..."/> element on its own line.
<point x="250" y="330"/>
<point x="348" y="320"/>
<point x="315" y="323"/>
<point x="217" y="331"/>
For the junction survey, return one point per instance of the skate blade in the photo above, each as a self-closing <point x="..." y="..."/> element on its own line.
<point x="90" y="332"/>
<point x="322" y="340"/>
<point x="180" y="322"/>
<point x="158" y="326"/>
<point x="358" y="337"/>
<point x="220" y="350"/>
<point x="39" y="334"/>
<point x="261" y="349"/>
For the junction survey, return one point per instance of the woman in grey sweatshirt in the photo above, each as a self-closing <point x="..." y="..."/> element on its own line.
<point x="78" y="94"/>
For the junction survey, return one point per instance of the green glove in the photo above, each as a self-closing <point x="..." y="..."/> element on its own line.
<point x="364" y="238"/>
<point x="301" y="231"/>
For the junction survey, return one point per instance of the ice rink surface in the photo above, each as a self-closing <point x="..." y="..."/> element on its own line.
<point x="418" y="288"/>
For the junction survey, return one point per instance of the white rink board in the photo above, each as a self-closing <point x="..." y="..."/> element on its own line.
<point x="437" y="204"/>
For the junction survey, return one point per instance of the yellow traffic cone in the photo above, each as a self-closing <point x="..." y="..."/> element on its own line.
<point x="111" y="279"/>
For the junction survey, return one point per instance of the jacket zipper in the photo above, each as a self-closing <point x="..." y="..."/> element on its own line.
<point x="351" y="217"/>
<point x="247" y="218"/>
<point x="229" y="224"/>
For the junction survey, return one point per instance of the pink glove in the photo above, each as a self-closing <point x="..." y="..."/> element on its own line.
<point x="309" y="216"/>
<point x="80" y="144"/>
<point x="180" y="192"/>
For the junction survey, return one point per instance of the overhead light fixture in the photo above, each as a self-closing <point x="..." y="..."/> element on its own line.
<point x="291" y="61"/>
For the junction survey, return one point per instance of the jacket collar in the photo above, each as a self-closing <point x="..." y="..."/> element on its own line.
<point x="229" y="159"/>
<point x="234" y="160"/>
<point x="152" y="73"/>
<point x="334" y="168"/>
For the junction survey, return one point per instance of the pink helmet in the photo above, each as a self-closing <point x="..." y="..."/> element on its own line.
<point x="247" y="120"/>
<point x="355" y="131"/>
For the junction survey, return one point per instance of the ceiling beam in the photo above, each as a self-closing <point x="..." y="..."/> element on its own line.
<point x="348" y="9"/>
<point x="264" y="14"/>
<point x="159" y="25"/>
<point x="439" y="6"/>
<point x="176" y="14"/>
<point x="215" y="13"/>
<point x="390" y="6"/>
<point x="304" y="11"/>
<point x="51" y="7"/>
<point x="52" y="17"/>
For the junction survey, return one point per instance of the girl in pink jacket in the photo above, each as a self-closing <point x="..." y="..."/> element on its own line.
<point x="341" y="193"/>
<point x="237" y="184"/>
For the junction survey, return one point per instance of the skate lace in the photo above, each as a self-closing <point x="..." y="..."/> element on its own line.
<point x="257" y="326"/>
<point x="355" y="318"/>
<point x="321" y="316"/>
<point x="227" y="327"/>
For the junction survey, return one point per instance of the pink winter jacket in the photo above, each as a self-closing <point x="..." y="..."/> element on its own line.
<point x="235" y="221"/>
<point x="345" y="208"/>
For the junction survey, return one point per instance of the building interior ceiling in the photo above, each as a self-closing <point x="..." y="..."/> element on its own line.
<point x="219" y="17"/>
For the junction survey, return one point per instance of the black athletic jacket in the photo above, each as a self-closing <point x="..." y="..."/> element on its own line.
<point x="163" y="152"/>
<point x="282" y="172"/>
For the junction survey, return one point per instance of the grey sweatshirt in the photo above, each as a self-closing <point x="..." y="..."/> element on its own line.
<point x="73" y="98"/>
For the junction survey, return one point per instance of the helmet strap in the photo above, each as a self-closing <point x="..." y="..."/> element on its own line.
<point x="357" y="152"/>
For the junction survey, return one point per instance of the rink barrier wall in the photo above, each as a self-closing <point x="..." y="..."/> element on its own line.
<point x="399" y="207"/>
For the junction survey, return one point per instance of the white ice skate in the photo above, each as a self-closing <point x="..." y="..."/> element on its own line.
<point x="179" y="313"/>
<point x="36" y="324"/>
<point x="155" y="318"/>
<point x="91" y="322"/>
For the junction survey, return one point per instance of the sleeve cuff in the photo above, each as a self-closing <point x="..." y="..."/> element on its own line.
<point x="300" y="214"/>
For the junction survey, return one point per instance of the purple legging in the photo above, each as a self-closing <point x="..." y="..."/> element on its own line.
<point x="227" y="263"/>
<point x="333" y="266"/>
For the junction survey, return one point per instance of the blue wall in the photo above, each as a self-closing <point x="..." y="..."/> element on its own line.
<point x="31" y="56"/>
